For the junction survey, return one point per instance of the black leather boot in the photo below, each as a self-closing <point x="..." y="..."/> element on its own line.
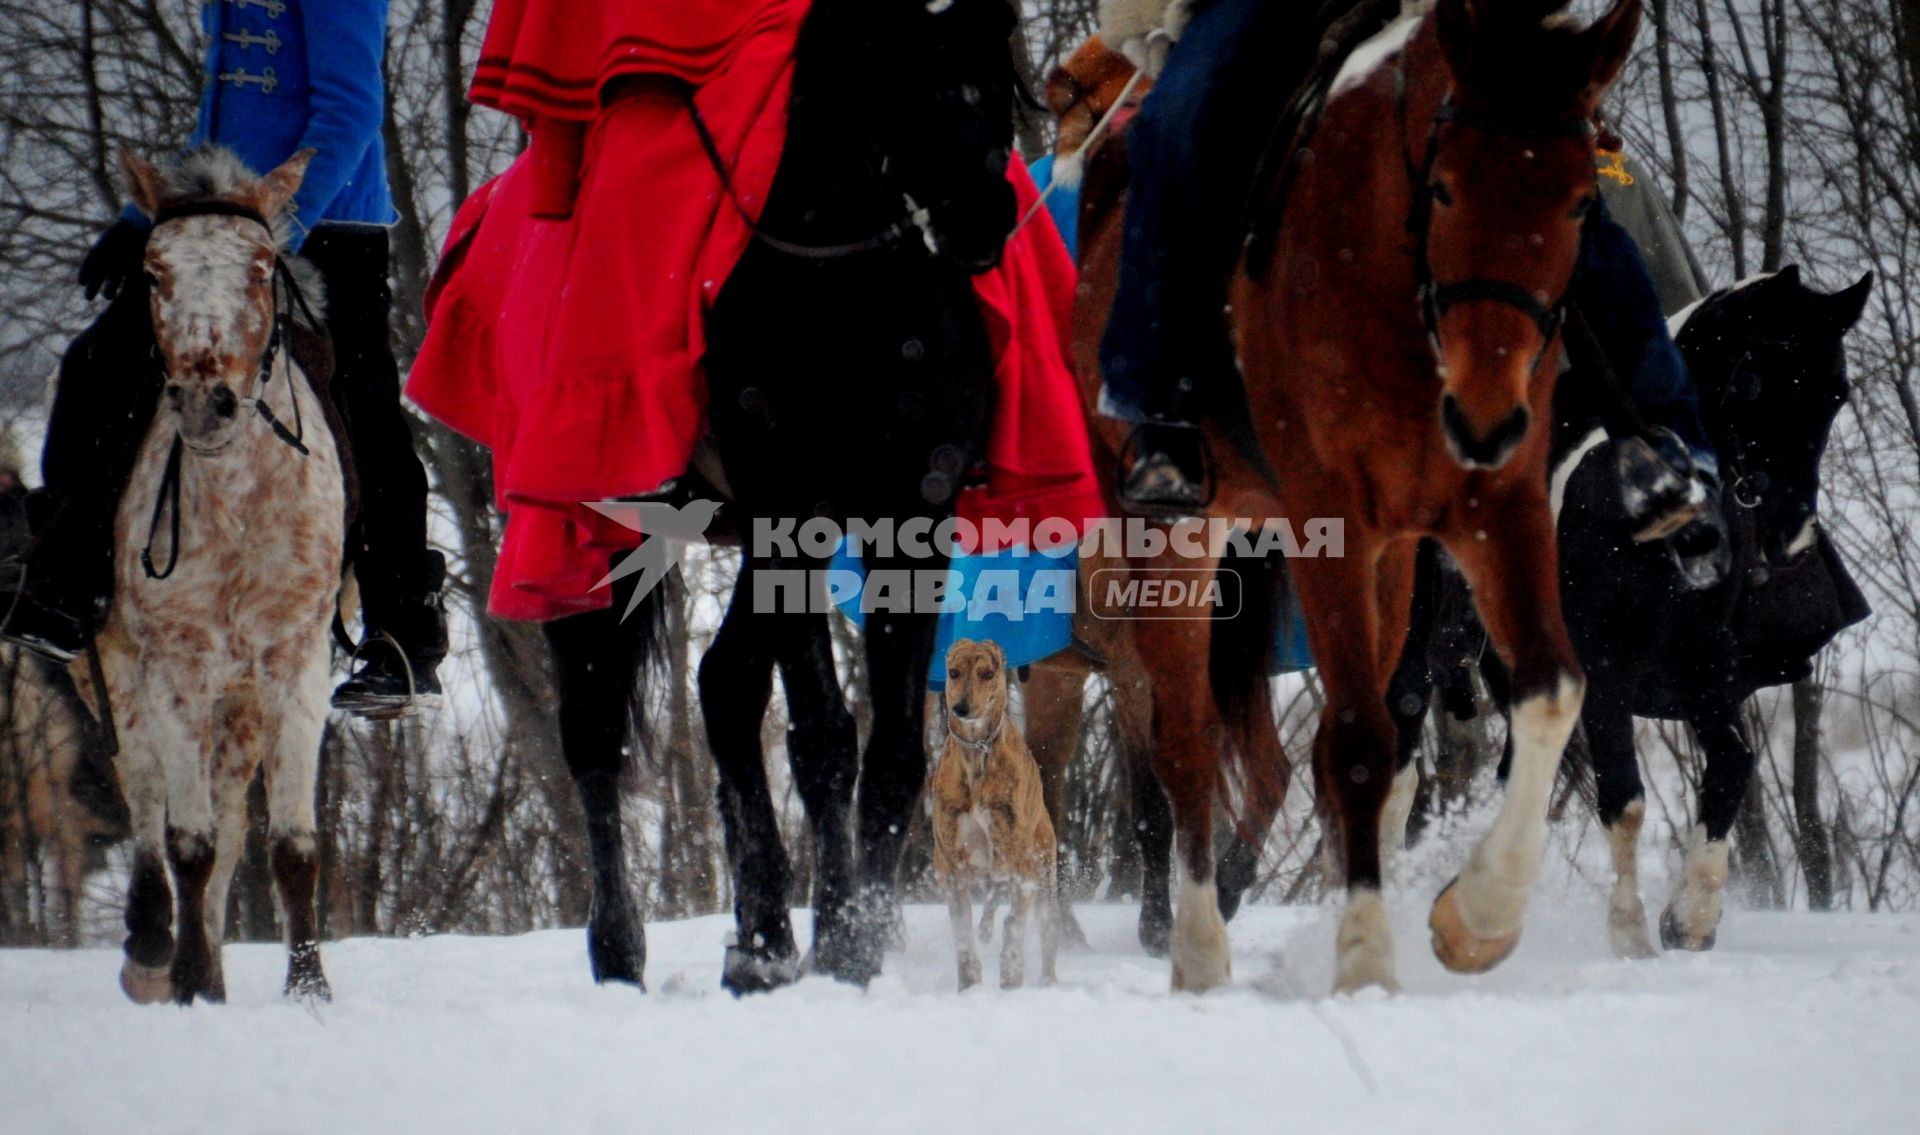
<point x="405" y="640"/>
<point x="1165" y="473"/>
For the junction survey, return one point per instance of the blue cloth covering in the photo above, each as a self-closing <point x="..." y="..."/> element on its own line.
<point x="1033" y="635"/>
<point x="1063" y="204"/>
<point x="285" y="75"/>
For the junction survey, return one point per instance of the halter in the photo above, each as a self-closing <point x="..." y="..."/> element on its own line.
<point x="1437" y="297"/>
<point x="168" y="499"/>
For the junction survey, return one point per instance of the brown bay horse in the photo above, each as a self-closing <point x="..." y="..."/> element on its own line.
<point x="1397" y="338"/>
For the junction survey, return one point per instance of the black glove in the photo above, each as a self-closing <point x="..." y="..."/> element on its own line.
<point x="114" y="257"/>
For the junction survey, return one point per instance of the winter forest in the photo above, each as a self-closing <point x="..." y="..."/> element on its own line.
<point x="1780" y="131"/>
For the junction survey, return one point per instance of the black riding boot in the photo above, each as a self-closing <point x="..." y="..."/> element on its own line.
<point x="406" y="637"/>
<point x="54" y="598"/>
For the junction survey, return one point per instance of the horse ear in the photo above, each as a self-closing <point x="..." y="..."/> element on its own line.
<point x="272" y="192"/>
<point x="1454" y="20"/>
<point x="143" y="182"/>
<point x="1845" y="308"/>
<point x="1611" y="37"/>
<point x="1789" y="276"/>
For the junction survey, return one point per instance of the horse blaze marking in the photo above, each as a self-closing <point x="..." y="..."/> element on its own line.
<point x="1172" y="593"/>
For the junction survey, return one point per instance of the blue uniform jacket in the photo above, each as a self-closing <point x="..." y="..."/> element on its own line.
<point x="283" y="75"/>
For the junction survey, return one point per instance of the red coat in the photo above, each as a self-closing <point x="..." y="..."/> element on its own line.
<point x="566" y="320"/>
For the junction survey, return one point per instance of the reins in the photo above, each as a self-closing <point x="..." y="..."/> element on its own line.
<point x="167" y="500"/>
<point x="918" y="219"/>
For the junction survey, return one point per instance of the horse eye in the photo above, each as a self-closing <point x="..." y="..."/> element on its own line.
<point x="1582" y="207"/>
<point x="1440" y="194"/>
<point x="153" y="281"/>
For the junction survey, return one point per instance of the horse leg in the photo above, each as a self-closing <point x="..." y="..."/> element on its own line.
<point x="892" y="771"/>
<point x="597" y="660"/>
<point x="237" y="745"/>
<point x="1054" y="692"/>
<point x="1693" y="914"/>
<point x="1608" y="720"/>
<point x="1050" y="920"/>
<point x="823" y="750"/>
<point x="70" y="868"/>
<point x="292" y="771"/>
<point x="1409" y="690"/>
<point x="1240" y="863"/>
<point x="185" y="750"/>
<point x="1476" y="919"/>
<point x="1187" y="765"/>
<point x="149" y="944"/>
<point x="1354" y="746"/>
<point x="736" y="682"/>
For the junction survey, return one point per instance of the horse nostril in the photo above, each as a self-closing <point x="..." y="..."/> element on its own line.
<point x="176" y="394"/>
<point x="225" y="404"/>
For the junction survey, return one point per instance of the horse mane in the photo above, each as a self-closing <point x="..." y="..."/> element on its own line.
<point x="1518" y="50"/>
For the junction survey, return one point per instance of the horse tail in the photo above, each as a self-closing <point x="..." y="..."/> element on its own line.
<point x="1240" y="667"/>
<point x="605" y="663"/>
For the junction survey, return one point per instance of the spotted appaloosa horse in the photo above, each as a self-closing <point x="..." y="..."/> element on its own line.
<point x="215" y="648"/>
<point x="1397" y="339"/>
<point x="848" y="377"/>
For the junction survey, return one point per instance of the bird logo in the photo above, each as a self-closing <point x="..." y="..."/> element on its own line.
<point x="670" y="531"/>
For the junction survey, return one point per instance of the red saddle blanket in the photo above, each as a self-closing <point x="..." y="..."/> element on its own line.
<point x="566" y="319"/>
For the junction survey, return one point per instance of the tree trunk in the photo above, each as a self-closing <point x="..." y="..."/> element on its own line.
<point x="1810" y="841"/>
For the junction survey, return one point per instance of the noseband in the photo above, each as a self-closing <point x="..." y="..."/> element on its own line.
<point x="168" y="498"/>
<point x="1436" y="296"/>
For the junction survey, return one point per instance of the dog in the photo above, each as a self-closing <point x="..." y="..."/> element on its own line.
<point x="990" y="821"/>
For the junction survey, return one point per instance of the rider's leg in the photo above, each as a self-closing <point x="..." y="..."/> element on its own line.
<point x="400" y="577"/>
<point x="1190" y="158"/>
<point x="1616" y="295"/>
<point x="109" y="387"/>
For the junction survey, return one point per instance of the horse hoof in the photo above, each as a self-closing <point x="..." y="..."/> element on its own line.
<point x="751" y="971"/>
<point x="1071" y="935"/>
<point x="1673" y="937"/>
<point x="615" y="960"/>
<point x="1627" y="935"/>
<point x="1154" y="934"/>
<point x="1458" y="948"/>
<point x="145" y="985"/>
<point x="309" y="989"/>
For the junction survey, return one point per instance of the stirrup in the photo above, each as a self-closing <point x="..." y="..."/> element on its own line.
<point x="387" y="707"/>
<point x="1164" y="508"/>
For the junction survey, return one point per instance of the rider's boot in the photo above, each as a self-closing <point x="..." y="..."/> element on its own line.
<point x="43" y="627"/>
<point x="1661" y="487"/>
<point x="405" y="640"/>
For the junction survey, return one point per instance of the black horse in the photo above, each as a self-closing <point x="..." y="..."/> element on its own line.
<point x="1768" y="360"/>
<point x="850" y="378"/>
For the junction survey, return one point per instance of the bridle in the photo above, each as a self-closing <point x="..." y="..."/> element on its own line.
<point x="282" y="282"/>
<point x="1437" y="297"/>
<point x="915" y="221"/>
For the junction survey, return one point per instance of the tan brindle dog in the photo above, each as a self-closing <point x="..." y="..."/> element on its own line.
<point x="989" y="820"/>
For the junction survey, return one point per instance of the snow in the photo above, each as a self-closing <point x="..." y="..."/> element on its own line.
<point x="1796" y="1022"/>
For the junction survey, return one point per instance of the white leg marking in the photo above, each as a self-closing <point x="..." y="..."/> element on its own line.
<point x="1393" y="819"/>
<point x="1626" y="914"/>
<point x="1563" y="472"/>
<point x="1363" y="952"/>
<point x="1198" y="946"/>
<point x="1492" y="893"/>
<point x="1695" y="909"/>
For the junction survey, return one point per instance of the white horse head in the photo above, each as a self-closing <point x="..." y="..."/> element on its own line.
<point x="211" y="270"/>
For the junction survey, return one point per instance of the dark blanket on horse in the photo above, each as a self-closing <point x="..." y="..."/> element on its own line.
<point x="1786" y="615"/>
<point x="567" y="314"/>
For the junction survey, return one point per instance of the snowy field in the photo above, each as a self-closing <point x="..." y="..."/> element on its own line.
<point x="1796" y="1023"/>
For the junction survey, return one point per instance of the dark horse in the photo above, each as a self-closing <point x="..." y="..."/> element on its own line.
<point x="1768" y="359"/>
<point x="850" y="377"/>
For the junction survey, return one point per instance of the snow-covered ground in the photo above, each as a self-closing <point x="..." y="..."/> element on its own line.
<point x="1796" y="1023"/>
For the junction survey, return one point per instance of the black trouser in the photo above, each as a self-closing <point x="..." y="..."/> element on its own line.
<point x="110" y="382"/>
